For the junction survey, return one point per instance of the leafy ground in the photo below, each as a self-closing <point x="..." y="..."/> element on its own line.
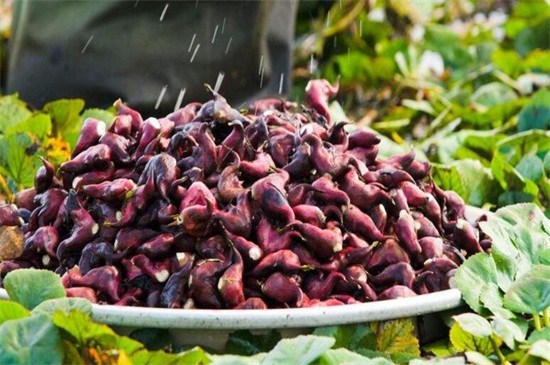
<point x="466" y="84"/>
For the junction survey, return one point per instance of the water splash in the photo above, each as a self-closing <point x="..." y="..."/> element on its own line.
<point x="281" y="80"/>
<point x="195" y="52"/>
<point x="180" y="99"/>
<point x="215" y="32"/>
<point x="87" y="44"/>
<point x="163" y="12"/>
<point x="161" y="95"/>
<point x="260" y="70"/>
<point x="228" y="44"/>
<point x="219" y="81"/>
<point x="192" y="41"/>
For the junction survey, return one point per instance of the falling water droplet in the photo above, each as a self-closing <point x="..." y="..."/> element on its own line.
<point x="195" y="53"/>
<point x="215" y="32"/>
<point x="360" y="28"/>
<point x="311" y="65"/>
<point x="281" y="83"/>
<point x="136" y="3"/>
<point x="219" y="81"/>
<point x="196" y="3"/>
<point x="260" y="70"/>
<point x="228" y="44"/>
<point x="334" y="42"/>
<point x="192" y="41"/>
<point x="340" y="4"/>
<point x="328" y="16"/>
<point x="180" y="99"/>
<point x="87" y="44"/>
<point x="262" y="78"/>
<point x="161" y="95"/>
<point x="163" y="12"/>
<point x="349" y="53"/>
<point x="223" y="24"/>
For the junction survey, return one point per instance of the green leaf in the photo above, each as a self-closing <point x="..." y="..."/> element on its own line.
<point x="345" y="356"/>
<point x="236" y="359"/>
<point x="510" y="179"/>
<point x="32" y="340"/>
<point x="465" y="341"/>
<point x="492" y="94"/>
<point x="477" y="358"/>
<point x="12" y="111"/>
<point x="11" y="310"/>
<point x="80" y="328"/>
<point x="65" y="113"/>
<point x="301" y="350"/>
<point x="540" y="349"/>
<point x="19" y="158"/>
<point x="243" y="342"/>
<point x="439" y="361"/>
<point x="530" y="293"/>
<point x="533" y="37"/>
<point x="536" y="114"/>
<point x="509" y="331"/>
<point x="152" y="338"/>
<point x="472" y="276"/>
<point x="101" y="114"/>
<point x="491" y="297"/>
<point x="30" y="287"/>
<point x="194" y="356"/>
<point x="50" y="306"/>
<point x="531" y="167"/>
<point x="509" y="61"/>
<point x="474" y="324"/>
<point x="441" y="348"/>
<point x="419" y="105"/>
<point x="353" y="336"/>
<point x="542" y="334"/>
<point x="39" y="125"/>
<point x="397" y="337"/>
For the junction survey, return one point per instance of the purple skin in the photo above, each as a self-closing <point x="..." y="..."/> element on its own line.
<point x="123" y="109"/>
<point x="159" y="271"/>
<point x="391" y="178"/>
<point x="231" y="285"/>
<point x="158" y="246"/>
<point x="466" y="237"/>
<point x="440" y="265"/>
<point x="94" y="177"/>
<point x="360" y="223"/>
<point x="353" y="240"/>
<point x="25" y="199"/>
<point x="260" y="106"/>
<point x="419" y="170"/>
<point x="126" y="173"/>
<point x="131" y="238"/>
<point x="233" y="143"/>
<point x="326" y="160"/>
<point x="300" y="165"/>
<point x="44" y="177"/>
<point x="366" y="155"/>
<point x="431" y="247"/>
<point x="405" y="230"/>
<point x="400" y="273"/>
<point x="416" y="197"/>
<point x="306" y="256"/>
<point x="198" y="194"/>
<point x="345" y="257"/>
<point x="185" y="115"/>
<point x="309" y="214"/>
<point x="250" y="252"/>
<point x="385" y="254"/>
<point x="362" y="138"/>
<point x="149" y="130"/>
<point x="115" y="190"/>
<point x="204" y="280"/>
<point x="238" y="219"/>
<point x="45" y="239"/>
<point x="271" y="239"/>
<point x="299" y="193"/>
<point x="338" y="136"/>
<point x="379" y="217"/>
<point x="362" y="195"/>
<point x="252" y="303"/>
<point x="96" y="254"/>
<point x="92" y="130"/>
<point x="284" y="260"/>
<point x="319" y="287"/>
<point x="122" y="125"/>
<point x="229" y="185"/>
<point x="269" y="193"/>
<point x="174" y="293"/>
<point x="399" y="162"/>
<point x="356" y="278"/>
<point x="104" y="279"/>
<point x="424" y="226"/>
<point x="94" y="158"/>
<point x="181" y="145"/>
<point x="318" y="93"/>
<point x="195" y="219"/>
<point x="257" y="168"/>
<point x="324" y="242"/>
<point x="396" y="291"/>
<point x="211" y="248"/>
<point x="9" y="216"/>
<point x="281" y="145"/>
<point x="275" y="121"/>
<point x="325" y="190"/>
<point x="166" y="127"/>
<point x="49" y="203"/>
<point x="164" y="171"/>
<point x="84" y="230"/>
<point x="257" y="133"/>
<point x="282" y="289"/>
<point x="119" y="147"/>
<point x="82" y="292"/>
<point x="204" y="154"/>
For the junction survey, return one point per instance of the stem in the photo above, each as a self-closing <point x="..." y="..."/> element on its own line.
<point x="524" y="359"/>
<point x="546" y="317"/>
<point x="499" y="354"/>
<point x="4" y="188"/>
<point x="345" y="21"/>
<point x="536" y="322"/>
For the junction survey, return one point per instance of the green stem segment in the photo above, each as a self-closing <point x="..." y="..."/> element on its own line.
<point x="499" y="354"/>
<point x="537" y="322"/>
<point x="546" y="317"/>
<point x="5" y="189"/>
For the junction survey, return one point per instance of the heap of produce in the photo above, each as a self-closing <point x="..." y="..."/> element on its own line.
<point x="210" y="207"/>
